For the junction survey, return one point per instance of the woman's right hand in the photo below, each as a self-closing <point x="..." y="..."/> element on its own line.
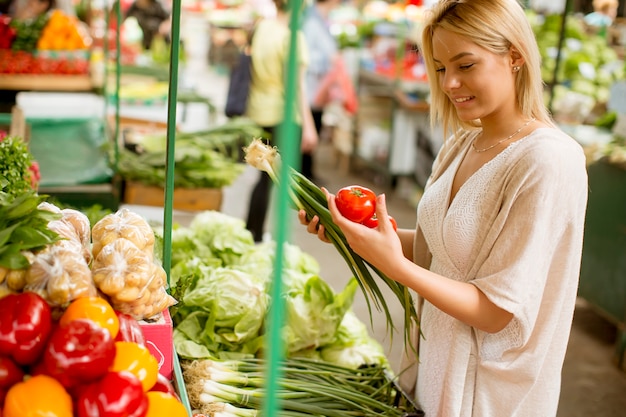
<point x="313" y="226"/>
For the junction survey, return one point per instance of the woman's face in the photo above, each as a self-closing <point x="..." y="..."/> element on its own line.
<point x="479" y="83"/>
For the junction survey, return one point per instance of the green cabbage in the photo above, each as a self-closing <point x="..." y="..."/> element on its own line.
<point x="353" y="347"/>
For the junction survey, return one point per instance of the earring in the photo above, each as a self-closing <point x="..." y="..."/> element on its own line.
<point x="516" y="68"/>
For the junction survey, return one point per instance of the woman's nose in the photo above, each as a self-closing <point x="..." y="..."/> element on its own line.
<point x="450" y="81"/>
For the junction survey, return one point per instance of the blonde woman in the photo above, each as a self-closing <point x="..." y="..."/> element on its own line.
<point x="495" y="256"/>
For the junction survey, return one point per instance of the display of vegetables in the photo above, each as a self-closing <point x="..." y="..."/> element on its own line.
<point x="59" y="272"/>
<point x="588" y="64"/>
<point x="63" y="32"/>
<point x="48" y="251"/>
<point x="237" y="388"/>
<point x="7" y="32"/>
<point x="203" y="159"/>
<point x="73" y="366"/>
<point x="124" y="267"/>
<point x="26" y="325"/>
<point x="19" y="171"/>
<point x="309" y="197"/>
<point x="27" y="32"/>
<point x="23" y="228"/>
<point x="222" y="279"/>
<point x="54" y="43"/>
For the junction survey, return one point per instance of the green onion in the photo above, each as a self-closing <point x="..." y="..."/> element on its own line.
<point x="309" y="197"/>
<point x="305" y="388"/>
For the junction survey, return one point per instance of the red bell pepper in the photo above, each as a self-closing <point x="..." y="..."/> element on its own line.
<point x="25" y="326"/>
<point x="10" y="374"/>
<point x="79" y="352"/>
<point x="164" y="385"/>
<point x="117" y="394"/>
<point x="130" y="330"/>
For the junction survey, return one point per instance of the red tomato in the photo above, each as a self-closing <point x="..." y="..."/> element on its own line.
<point x="372" y="222"/>
<point x="356" y="203"/>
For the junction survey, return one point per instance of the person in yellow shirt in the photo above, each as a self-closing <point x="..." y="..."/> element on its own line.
<point x="266" y="102"/>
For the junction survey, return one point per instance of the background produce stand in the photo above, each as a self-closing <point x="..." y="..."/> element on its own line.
<point x="23" y="82"/>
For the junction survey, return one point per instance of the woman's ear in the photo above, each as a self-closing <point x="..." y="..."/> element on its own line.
<point x="516" y="58"/>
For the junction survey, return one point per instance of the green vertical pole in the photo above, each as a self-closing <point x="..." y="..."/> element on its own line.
<point x="118" y="76"/>
<point x="289" y="143"/>
<point x="105" y="59"/>
<point x="171" y="138"/>
<point x="169" y="174"/>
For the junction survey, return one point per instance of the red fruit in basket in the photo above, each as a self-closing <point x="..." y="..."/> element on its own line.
<point x="10" y="374"/>
<point x="79" y="352"/>
<point x="356" y="203"/>
<point x="164" y="385"/>
<point x="117" y="394"/>
<point x="25" y="326"/>
<point x="130" y="330"/>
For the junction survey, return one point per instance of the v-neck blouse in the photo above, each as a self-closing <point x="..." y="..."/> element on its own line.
<point x="514" y="230"/>
<point x="462" y="219"/>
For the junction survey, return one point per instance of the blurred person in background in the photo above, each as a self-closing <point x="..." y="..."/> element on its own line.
<point x="266" y="102"/>
<point x="323" y="50"/>
<point x="153" y="19"/>
<point x="27" y="9"/>
<point x="603" y="15"/>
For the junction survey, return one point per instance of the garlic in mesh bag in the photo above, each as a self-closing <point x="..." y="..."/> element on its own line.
<point x="131" y="279"/>
<point x="152" y="301"/>
<point x="60" y="274"/>
<point x="122" y="224"/>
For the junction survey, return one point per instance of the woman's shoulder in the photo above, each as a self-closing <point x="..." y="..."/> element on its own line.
<point x="552" y="139"/>
<point x="548" y="150"/>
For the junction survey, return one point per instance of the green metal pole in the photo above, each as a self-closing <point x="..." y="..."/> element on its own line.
<point x="169" y="173"/>
<point x="288" y="142"/>
<point x="171" y="138"/>
<point x="118" y="76"/>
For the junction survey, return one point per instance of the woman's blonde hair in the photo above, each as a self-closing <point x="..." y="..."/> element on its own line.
<point x="497" y="26"/>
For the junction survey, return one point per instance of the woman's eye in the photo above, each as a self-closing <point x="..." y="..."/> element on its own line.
<point x="466" y="67"/>
<point x="440" y="69"/>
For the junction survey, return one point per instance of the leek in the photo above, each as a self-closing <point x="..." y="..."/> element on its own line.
<point x="305" y="388"/>
<point x="309" y="197"/>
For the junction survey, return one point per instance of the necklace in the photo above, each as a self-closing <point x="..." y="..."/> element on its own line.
<point x="503" y="140"/>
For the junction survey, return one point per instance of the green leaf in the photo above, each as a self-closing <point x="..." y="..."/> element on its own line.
<point x="13" y="259"/>
<point x="22" y="206"/>
<point x="30" y="238"/>
<point x="6" y="234"/>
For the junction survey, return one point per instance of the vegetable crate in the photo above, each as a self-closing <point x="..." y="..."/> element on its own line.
<point x="189" y="199"/>
<point x="160" y="343"/>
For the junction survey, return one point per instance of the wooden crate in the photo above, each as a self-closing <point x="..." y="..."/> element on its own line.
<point x="196" y="199"/>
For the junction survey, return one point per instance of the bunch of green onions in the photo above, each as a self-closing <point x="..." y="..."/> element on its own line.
<point x="235" y="388"/>
<point x="306" y="195"/>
